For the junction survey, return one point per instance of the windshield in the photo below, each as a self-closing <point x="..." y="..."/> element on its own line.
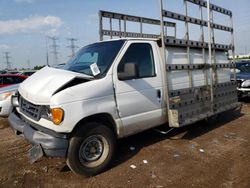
<point x="243" y="66"/>
<point x="95" y="59"/>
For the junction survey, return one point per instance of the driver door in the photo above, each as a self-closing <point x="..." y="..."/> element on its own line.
<point x="139" y="99"/>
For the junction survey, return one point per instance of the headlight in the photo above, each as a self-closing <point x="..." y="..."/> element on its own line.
<point x="57" y="115"/>
<point x="4" y="96"/>
<point x="246" y="83"/>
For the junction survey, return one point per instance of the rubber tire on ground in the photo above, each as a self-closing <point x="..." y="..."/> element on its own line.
<point x="84" y="132"/>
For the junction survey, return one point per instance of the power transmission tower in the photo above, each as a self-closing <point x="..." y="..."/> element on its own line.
<point x="72" y="46"/>
<point x="55" y="49"/>
<point x="7" y="57"/>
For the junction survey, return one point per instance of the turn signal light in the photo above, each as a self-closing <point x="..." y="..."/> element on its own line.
<point x="57" y="115"/>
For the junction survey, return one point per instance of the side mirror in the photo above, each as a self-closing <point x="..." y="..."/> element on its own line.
<point x="130" y="72"/>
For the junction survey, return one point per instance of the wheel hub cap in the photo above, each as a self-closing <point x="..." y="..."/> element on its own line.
<point x="92" y="149"/>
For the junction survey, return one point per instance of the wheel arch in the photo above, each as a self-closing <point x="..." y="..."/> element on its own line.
<point x="104" y="118"/>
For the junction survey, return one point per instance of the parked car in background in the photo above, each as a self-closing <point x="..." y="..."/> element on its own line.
<point x="26" y="72"/>
<point x="243" y="63"/>
<point x="12" y="72"/>
<point x="243" y="78"/>
<point x="10" y="79"/>
<point x="3" y="72"/>
<point x="5" y="99"/>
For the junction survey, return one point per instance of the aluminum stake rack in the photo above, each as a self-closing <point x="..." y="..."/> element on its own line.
<point x="188" y="105"/>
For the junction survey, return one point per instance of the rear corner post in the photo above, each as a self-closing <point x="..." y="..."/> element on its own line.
<point x="164" y="72"/>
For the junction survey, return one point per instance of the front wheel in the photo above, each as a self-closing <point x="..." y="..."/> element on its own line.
<point x="91" y="149"/>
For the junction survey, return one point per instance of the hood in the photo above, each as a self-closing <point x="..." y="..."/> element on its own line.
<point x="42" y="85"/>
<point x="243" y="76"/>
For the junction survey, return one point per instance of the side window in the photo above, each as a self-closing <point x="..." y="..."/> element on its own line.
<point x="8" y="80"/>
<point x="141" y="54"/>
<point x="1" y="80"/>
<point x="18" y="79"/>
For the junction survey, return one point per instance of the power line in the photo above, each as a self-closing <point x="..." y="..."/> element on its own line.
<point x="72" y="46"/>
<point x="55" y="49"/>
<point x="7" y="58"/>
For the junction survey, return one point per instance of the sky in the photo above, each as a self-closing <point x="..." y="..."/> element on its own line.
<point x="26" y="24"/>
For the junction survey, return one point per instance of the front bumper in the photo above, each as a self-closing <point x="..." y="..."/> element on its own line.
<point x="52" y="146"/>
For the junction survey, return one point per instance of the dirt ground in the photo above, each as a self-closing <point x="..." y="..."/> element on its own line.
<point x="206" y="154"/>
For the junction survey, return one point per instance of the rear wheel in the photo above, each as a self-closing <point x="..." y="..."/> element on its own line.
<point x="91" y="149"/>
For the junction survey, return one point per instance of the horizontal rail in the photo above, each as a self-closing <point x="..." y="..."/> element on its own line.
<point x="201" y="99"/>
<point x="129" y="34"/>
<point x="174" y="93"/>
<point x="131" y="18"/>
<point x="170" y="41"/>
<point x="196" y="21"/>
<point x="212" y="7"/>
<point x="174" y="67"/>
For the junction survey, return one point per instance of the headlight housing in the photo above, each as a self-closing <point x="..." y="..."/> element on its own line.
<point x="15" y="101"/>
<point x="246" y="84"/>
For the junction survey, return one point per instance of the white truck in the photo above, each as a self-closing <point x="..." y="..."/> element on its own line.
<point x="119" y="87"/>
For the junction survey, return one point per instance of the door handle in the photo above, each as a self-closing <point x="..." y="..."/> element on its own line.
<point x="158" y="93"/>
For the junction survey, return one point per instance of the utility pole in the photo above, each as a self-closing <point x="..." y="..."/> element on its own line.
<point x="7" y="57"/>
<point x="55" y="49"/>
<point x="47" y="51"/>
<point x="72" y="46"/>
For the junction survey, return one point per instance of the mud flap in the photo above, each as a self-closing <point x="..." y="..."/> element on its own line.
<point x="35" y="153"/>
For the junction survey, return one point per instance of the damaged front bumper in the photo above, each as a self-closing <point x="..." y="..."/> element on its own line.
<point x="51" y="143"/>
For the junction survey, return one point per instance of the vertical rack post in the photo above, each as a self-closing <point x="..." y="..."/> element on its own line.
<point x="188" y="48"/>
<point x="203" y="48"/>
<point x="125" y="27"/>
<point x="215" y="77"/>
<point x="100" y="26"/>
<point x="111" y="30"/>
<point x="232" y="45"/>
<point x="165" y="95"/>
<point x="120" y="28"/>
<point x="141" y="26"/>
<point x="210" y="55"/>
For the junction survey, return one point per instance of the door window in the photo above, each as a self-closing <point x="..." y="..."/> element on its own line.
<point x="141" y="54"/>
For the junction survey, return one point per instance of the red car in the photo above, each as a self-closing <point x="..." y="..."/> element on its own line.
<point x="10" y="79"/>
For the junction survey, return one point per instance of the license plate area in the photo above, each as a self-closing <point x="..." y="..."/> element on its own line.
<point x="35" y="153"/>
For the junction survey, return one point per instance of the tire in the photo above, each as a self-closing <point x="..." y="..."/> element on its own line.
<point x="91" y="149"/>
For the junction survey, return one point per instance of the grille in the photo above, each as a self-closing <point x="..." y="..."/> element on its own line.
<point x="31" y="110"/>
